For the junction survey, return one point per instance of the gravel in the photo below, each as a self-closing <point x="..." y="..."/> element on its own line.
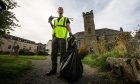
<point x="37" y="74"/>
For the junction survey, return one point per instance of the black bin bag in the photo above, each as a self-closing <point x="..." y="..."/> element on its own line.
<point x="71" y="67"/>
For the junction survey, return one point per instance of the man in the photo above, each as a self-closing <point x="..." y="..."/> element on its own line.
<point x="2" y="5"/>
<point x="61" y="27"/>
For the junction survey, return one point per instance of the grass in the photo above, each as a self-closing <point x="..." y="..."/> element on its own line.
<point x="99" y="61"/>
<point x="12" y="67"/>
<point x="36" y="57"/>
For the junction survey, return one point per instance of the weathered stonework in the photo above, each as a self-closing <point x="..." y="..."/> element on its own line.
<point x="10" y="41"/>
<point x="89" y="34"/>
<point x="125" y="67"/>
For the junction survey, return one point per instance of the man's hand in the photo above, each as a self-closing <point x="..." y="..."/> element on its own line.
<point x="50" y="19"/>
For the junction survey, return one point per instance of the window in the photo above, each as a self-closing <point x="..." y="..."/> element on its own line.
<point x="35" y="50"/>
<point x="24" y="47"/>
<point x="9" y="47"/>
<point x="30" y="48"/>
<point x="88" y="19"/>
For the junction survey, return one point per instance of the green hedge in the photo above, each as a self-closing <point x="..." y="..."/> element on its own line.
<point x="25" y="52"/>
<point x="42" y="53"/>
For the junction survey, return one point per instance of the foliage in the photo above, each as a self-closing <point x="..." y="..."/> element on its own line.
<point x="101" y="45"/>
<point x="25" y="52"/>
<point x="118" y="44"/>
<point x="4" y="53"/>
<point x="35" y="57"/>
<point x="42" y="53"/>
<point x="122" y="41"/>
<point x="99" y="60"/>
<point x="133" y="46"/>
<point x="82" y="52"/>
<point x="7" y="18"/>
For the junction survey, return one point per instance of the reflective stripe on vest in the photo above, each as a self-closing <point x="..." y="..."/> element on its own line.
<point x="60" y="29"/>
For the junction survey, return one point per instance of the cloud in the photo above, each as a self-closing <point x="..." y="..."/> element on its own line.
<point x="33" y="15"/>
<point x="119" y="13"/>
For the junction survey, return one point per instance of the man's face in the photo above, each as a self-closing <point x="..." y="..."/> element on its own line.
<point x="60" y="10"/>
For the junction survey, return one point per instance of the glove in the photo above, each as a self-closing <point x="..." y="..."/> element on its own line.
<point x="50" y="19"/>
<point x="71" y="35"/>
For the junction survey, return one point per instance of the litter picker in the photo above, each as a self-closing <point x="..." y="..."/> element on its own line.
<point x="68" y="18"/>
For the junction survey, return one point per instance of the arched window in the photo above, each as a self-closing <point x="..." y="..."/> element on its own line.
<point x="88" y="19"/>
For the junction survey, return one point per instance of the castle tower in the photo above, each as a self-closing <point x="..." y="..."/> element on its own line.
<point x="89" y="26"/>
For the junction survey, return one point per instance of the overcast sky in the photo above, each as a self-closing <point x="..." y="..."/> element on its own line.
<point x="33" y="16"/>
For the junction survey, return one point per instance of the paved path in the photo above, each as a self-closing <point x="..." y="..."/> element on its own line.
<point x="37" y="74"/>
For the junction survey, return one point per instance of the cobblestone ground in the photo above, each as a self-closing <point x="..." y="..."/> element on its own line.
<point x="37" y="74"/>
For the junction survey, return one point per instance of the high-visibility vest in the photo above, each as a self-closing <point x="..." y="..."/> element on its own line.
<point x="60" y="28"/>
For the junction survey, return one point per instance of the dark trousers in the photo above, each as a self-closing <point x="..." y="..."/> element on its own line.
<point x="58" y="46"/>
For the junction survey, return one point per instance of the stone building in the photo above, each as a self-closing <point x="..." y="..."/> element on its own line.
<point x="41" y="47"/>
<point x="109" y="35"/>
<point x="9" y="41"/>
<point x="89" y="37"/>
<point x="48" y="46"/>
<point x="89" y="33"/>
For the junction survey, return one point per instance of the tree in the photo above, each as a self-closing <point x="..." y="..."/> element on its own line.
<point x="2" y="6"/>
<point x="7" y="17"/>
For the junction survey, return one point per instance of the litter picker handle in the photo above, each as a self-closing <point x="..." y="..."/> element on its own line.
<point x="68" y="18"/>
<point x="58" y="17"/>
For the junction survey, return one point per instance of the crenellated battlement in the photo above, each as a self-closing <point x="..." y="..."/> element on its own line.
<point x="87" y="13"/>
